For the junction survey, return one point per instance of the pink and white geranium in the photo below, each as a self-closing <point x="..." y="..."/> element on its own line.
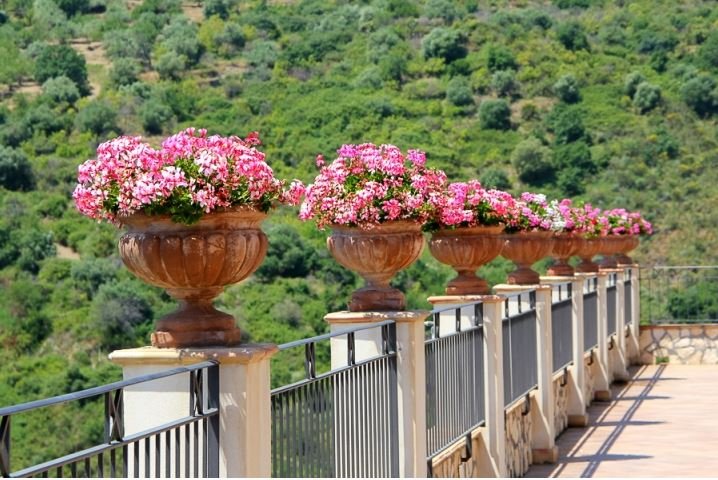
<point x="190" y="175"/>
<point x="468" y="204"/>
<point x="367" y="185"/>
<point x="622" y="222"/>
<point x="532" y="212"/>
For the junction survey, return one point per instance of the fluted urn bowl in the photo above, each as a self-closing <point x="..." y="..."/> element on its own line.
<point x="565" y="246"/>
<point x="610" y="246"/>
<point x="465" y="250"/>
<point x="525" y="249"/>
<point x="193" y="263"/>
<point x="589" y="248"/>
<point x="628" y="243"/>
<point x="377" y="254"/>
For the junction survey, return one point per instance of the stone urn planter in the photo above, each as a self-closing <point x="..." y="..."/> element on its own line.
<point x="465" y="250"/>
<point x="525" y="249"/>
<point x="589" y="248"/>
<point x="565" y="246"/>
<point x="610" y="246"/>
<point x="193" y="263"/>
<point x="377" y="254"/>
<point x="628" y="243"/>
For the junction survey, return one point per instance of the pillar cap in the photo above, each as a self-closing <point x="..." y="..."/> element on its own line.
<point x="404" y="316"/>
<point x="510" y="288"/>
<point x="457" y="299"/>
<point x="241" y="354"/>
<point x="548" y="279"/>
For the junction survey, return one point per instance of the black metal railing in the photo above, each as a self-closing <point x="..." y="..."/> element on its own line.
<point x="590" y="314"/>
<point x="342" y="423"/>
<point x="184" y="447"/>
<point x="562" y="325"/>
<point x="679" y="294"/>
<point x="628" y="297"/>
<point x="519" y="346"/>
<point x="454" y="376"/>
<point x="611" y="302"/>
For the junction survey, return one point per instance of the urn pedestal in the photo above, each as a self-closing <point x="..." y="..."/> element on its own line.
<point x="525" y="249"/>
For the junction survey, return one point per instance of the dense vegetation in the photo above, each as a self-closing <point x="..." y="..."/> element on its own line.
<point x="609" y="101"/>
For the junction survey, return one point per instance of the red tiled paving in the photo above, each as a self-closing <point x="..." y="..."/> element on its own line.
<point x="663" y="423"/>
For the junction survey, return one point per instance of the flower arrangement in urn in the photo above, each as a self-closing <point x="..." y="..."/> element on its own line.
<point x="375" y="199"/>
<point x="466" y="232"/>
<point x="622" y="231"/>
<point x="193" y="209"/>
<point x="530" y="227"/>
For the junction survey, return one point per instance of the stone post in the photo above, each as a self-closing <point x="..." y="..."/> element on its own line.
<point x="632" y="342"/>
<point x="620" y="356"/>
<point x="543" y="435"/>
<point x="245" y="439"/>
<point x="602" y="379"/>
<point x="411" y="374"/>
<point x="576" y="408"/>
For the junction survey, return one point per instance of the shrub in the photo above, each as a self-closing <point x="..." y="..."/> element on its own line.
<point x="503" y="83"/>
<point x="532" y="162"/>
<point x="98" y="117"/>
<point x="501" y="58"/>
<point x="700" y="94"/>
<point x="155" y="116"/>
<point x="61" y="90"/>
<point x="572" y="36"/>
<point x="15" y="170"/>
<point x="708" y="52"/>
<point x="170" y="66"/>
<point x="444" y="43"/>
<point x="221" y="8"/>
<point x="631" y="83"/>
<point x="495" y="178"/>
<point x="495" y="114"/>
<point x="566" y="89"/>
<point x="647" y="97"/>
<point x="62" y="60"/>
<point x="73" y="7"/>
<point x="458" y="92"/>
<point x="567" y="125"/>
<point x="120" y="310"/>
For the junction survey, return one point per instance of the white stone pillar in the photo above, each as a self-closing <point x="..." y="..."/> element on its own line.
<point x="576" y="408"/>
<point x="245" y="439"/>
<point x="602" y="380"/>
<point x="411" y="374"/>
<point x="634" y="336"/>
<point x="620" y="371"/>
<point x="494" y="375"/>
<point x="543" y="435"/>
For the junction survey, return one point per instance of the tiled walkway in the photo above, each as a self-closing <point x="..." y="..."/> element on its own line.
<point x="664" y="423"/>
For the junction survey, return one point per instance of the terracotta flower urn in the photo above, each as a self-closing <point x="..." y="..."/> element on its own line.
<point x="193" y="263"/>
<point x="377" y="254"/>
<point x="610" y="246"/>
<point x="465" y="250"/>
<point x="590" y="247"/>
<point x="628" y="243"/>
<point x="525" y="249"/>
<point x="565" y="246"/>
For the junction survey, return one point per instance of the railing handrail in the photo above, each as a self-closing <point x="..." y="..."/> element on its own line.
<point x="338" y="333"/>
<point x="96" y="391"/>
<point x="454" y="307"/>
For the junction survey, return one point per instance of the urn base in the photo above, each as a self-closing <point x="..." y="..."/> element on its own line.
<point x="467" y="283"/>
<point x="524" y="275"/>
<point x="196" y="325"/>
<point x="377" y="299"/>
<point x="561" y="269"/>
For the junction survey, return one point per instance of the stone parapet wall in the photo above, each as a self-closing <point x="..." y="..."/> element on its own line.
<point x="589" y="388"/>
<point x="454" y="463"/>
<point x="518" y="440"/>
<point x="560" y="407"/>
<point x="681" y="344"/>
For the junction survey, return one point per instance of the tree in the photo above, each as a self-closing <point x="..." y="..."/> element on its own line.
<point x="572" y="36"/>
<point x="458" y="92"/>
<point x="62" y="60"/>
<point x="120" y="311"/>
<point x="532" y="162"/>
<point x="495" y="114"/>
<point x="15" y="170"/>
<point x="61" y="90"/>
<point x="573" y="162"/>
<point x="566" y="89"/>
<point x="155" y="116"/>
<point x="289" y="255"/>
<point x="708" y="52"/>
<point x="567" y="125"/>
<point x="13" y="63"/>
<point x="98" y="117"/>
<point x="501" y="58"/>
<point x="495" y="178"/>
<point x="220" y="8"/>
<point x="503" y="82"/>
<point x="700" y="94"/>
<point x="647" y="97"/>
<point x="444" y="43"/>
<point x="125" y="71"/>
<point x="73" y="7"/>
<point x="170" y="66"/>
<point x="631" y="83"/>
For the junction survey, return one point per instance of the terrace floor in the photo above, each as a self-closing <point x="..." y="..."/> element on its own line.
<point x="663" y="423"/>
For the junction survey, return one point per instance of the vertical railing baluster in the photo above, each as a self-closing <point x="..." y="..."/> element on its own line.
<point x="5" y="446"/>
<point x="168" y="454"/>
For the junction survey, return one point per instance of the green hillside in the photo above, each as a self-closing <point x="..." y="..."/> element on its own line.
<point x="614" y="102"/>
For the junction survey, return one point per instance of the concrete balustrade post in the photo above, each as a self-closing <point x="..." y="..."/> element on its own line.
<point x="602" y="373"/>
<point x="411" y="374"/>
<point x="634" y="336"/>
<point x="245" y="440"/>
<point x="494" y="375"/>
<point x="620" y="363"/>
